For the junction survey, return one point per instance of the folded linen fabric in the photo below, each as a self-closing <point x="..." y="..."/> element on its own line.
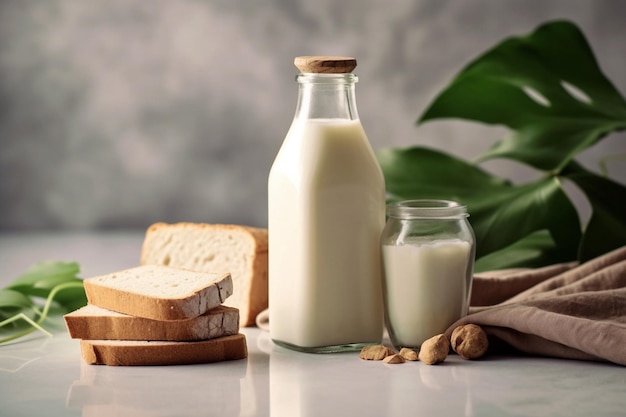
<point x="566" y="311"/>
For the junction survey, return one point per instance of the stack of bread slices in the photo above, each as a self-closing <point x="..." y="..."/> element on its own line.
<point x="157" y="315"/>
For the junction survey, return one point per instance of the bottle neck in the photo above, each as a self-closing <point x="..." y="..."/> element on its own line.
<point x="326" y="96"/>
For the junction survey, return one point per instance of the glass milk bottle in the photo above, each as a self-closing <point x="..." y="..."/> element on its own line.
<point x="428" y="258"/>
<point x="326" y="210"/>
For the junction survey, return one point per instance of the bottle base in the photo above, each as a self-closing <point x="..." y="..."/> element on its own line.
<point x="348" y="347"/>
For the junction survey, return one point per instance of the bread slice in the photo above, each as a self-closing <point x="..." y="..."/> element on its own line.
<point x="239" y="250"/>
<point x="92" y="322"/>
<point x="159" y="292"/>
<point x="124" y="352"/>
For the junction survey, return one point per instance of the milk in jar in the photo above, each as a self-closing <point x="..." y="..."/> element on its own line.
<point x="428" y="257"/>
<point x="326" y="211"/>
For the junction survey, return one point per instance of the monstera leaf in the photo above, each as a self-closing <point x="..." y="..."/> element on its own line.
<point x="547" y="87"/>
<point x="549" y="90"/>
<point x="606" y="229"/>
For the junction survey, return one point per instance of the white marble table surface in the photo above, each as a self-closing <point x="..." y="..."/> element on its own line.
<point x="45" y="376"/>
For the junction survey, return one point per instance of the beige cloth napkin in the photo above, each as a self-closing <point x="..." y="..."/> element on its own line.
<point x="565" y="311"/>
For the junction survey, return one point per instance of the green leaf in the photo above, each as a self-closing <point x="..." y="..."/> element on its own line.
<point x="38" y="274"/>
<point x="71" y="298"/>
<point x="43" y="286"/>
<point x="606" y="229"/>
<point x="547" y="87"/>
<point x="43" y="277"/>
<point x="419" y="172"/>
<point x="53" y="281"/>
<point x="10" y="299"/>
<point x="502" y="219"/>
<point x="535" y="250"/>
<point x="500" y="213"/>
<point x="12" y="302"/>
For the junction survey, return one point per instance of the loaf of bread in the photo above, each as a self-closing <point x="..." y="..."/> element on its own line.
<point x="159" y="292"/>
<point x="91" y="322"/>
<point x="128" y="353"/>
<point x="238" y="250"/>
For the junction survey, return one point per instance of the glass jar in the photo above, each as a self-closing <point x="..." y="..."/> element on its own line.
<point x="326" y="212"/>
<point x="428" y="250"/>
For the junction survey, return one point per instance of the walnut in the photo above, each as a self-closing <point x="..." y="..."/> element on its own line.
<point x="434" y="350"/>
<point x="375" y="352"/>
<point x="408" y="354"/>
<point x="395" y="358"/>
<point x="469" y="341"/>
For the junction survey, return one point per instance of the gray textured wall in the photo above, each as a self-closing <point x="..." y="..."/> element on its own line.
<point x="120" y="113"/>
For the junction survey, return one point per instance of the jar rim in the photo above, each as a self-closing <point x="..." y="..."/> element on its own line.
<point x="427" y="209"/>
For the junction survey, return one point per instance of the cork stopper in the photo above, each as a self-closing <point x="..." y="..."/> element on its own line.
<point x="325" y="64"/>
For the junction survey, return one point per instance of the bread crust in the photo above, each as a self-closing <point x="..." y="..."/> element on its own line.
<point x="85" y="323"/>
<point x="257" y="296"/>
<point x="136" y="353"/>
